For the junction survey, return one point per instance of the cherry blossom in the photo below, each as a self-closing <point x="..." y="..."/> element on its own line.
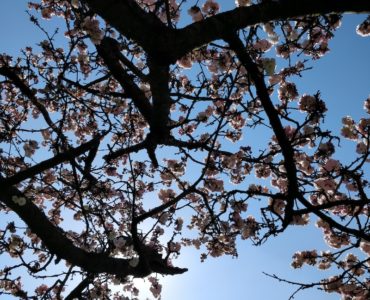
<point x="196" y="13"/>
<point x="91" y="26"/>
<point x="262" y="45"/>
<point x="210" y="7"/>
<point x="125" y="140"/>
<point x="364" y="28"/>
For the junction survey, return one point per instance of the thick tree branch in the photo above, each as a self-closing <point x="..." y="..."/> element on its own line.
<point x="168" y="204"/>
<point x="132" y="21"/>
<point x="93" y="91"/>
<point x="167" y="44"/>
<point x="354" y="204"/>
<point x="49" y="163"/>
<point x="159" y="79"/>
<point x="287" y="150"/>
<point x="123" y="151"/>
<point x="273" y="116"/>
<point x="77" y="291"/>
<point x="56" y="241"/>
<point x="30" y="94"/>
<point x="110" y="52"/>
<point x="219" y="26"/>
<point x="172" y="142"/>
<point x="357" y="233"/>
<point x="196" y="145"/>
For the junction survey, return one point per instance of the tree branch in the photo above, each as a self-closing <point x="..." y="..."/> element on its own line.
<point x="159" y="78"/>
<point x="357" y="233"/>
<point x="77" y="291"/>
<point x="220" y="25"/>
<point x="273" y="116"/>
<point x="110" y="52"/>
<point x="120" y="152"/>
<point x="152" y="34"/>
<point x="49" y="163"/>
<point x="57" y="243"/>
<point x="30" y="94"/>
<point x="131" y="21"/>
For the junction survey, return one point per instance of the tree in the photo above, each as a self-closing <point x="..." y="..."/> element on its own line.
<point x="126" y="144"/>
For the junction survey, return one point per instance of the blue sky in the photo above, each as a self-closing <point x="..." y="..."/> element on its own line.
<point x="343" y="79"/>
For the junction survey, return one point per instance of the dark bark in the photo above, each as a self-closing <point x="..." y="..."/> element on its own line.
<point x="168" y="45"/>
<point x="274" y="119"/>
<point x="164" y="45"/>
<point x="57" y="243"/>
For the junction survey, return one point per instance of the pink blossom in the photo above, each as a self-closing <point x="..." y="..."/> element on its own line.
<point x="40" y="290"/>
<point x="155" y="288"/>
<point x="262" y="171"/>
<point x="307" y="103"/>
<point x="202" y="117"/>
<point x="326" y="184"/>
<point x="289" y="131"/>
<point x="164" y="218"/>
<point x="304" y="163"/>
<point x="91" y="27"/>
<point x="367" y="105"/>
<point x="214" y="185"/>
<point x="166" y="195"/>
<point x="179" y="222"/>
<point x="47" y="13"/>
<point x="210" y="7"/>
<point x="287" y="91"/>
<point x="111" y="171"/>
<point x="250" y="227"/>
<point x="304" y="257"/>
<point x="336" y="240"/>
<point x="277" y="205"/>
<point x="274" y="79"/>
<point x="49" y="177"/>
<point x="349" y="132"/>
<point x="262" y="45"/>
<point x="176" y="167"/>
<point x="364" y="28"/>
<point x="300" y="219"/>
<point x="331" y="165"/>
<point x="195" y="13"/>
<point x="365" y="247"/>
<point x="185" y="62"/>
<point x="361" y="148"/>
<point x="213" y="66"/>
<point x="229" y="162"/>
<point x="284" y="50"/>
<point x="320" y="223"/>
<point x="281" y="183"/>
<point x="237" y="121"/>
<point x="332" y="284"/>
<point x="175" y="247"/>
<point x="348" y="121"/>
<point x="30" y="148"/>
<point x="364" y="126"/>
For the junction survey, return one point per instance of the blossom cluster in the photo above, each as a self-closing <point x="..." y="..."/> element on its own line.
<point x="91" y="27"/>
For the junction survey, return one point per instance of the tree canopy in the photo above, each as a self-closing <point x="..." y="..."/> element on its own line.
<point x="135" y="135"/>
